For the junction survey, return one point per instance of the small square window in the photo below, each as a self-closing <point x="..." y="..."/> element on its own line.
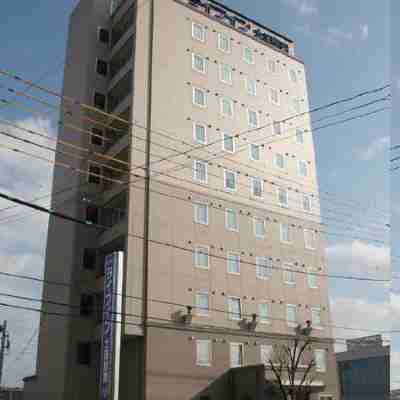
<point x="299" y="136"/>
<point x="257" y="187"/>
<point x="263" y="268"/>
<point x="302" y="168"/>
<point x="201" y="213"/>
<point x="99" y="101"/>
<point x="263" y="313"/>
<point x="272" y="67"/>
<point x="225" y="73"/>
<point x="201" y="257"/>
<point x="102" y="67"/>
<point x="97" y="137"/>
<point x="285" y="233"/>
<point x="103" y="36"/>
<point x="289" y="275"/>
<point x="203" y="353"/>
<point x="251" y="86"/>
<point x="316" y="318"/>
<point x="228" y="143"/>
<point x="200" y="171"/>
<point x="277" y="128"/>
<point x="280" y="161"/>
<point x="306" y="203"/>
<point x="310" y="239"/>
<point x="199" y="63"/>
<point x="283" y="197"/>
<point x="293" y="75"/>
<point x="202" y="303"/>
<point x="312" y="279"/>
<point x="252" y="118"/>
<point x="230" y="178"/>
<point x="199" y="97"/>
<point x="200" y="133"/>
<point x="231" y="220"/>
<point x="291" y="314"/>
<point x="255" y="152"/>
<point x="259" y="227"/>
<point x="236" y="355"/>
<point x="233" y="263"/>
<point x="248" y="55"/>
<point x="235" y="308"/>
<point x="227" y="109"/>
<point x="274" y="96"/>
<point x="224" y="43"/>
<point x="198" y="32"/>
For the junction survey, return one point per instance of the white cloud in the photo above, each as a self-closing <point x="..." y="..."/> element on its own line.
<point x="22" y="240"/>
<point x="364" y="31"/>
<point x="337" y="36"/>
<point x="374" y="148"/>
<point x="302" y="7"/>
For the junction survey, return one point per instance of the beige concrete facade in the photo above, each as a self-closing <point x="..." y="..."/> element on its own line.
<point x="174" y="281"/>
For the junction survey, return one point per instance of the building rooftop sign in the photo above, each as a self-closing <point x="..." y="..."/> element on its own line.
<point x="243" y="24"/>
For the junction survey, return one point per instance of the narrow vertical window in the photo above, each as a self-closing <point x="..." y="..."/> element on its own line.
<point x="302" y="168"/>
<point x="306" y="203"/>
<point x="233" y="263"/>
<point x="257" y="187"/>
<point x="263" y="313"/>
<point x="230" y="180"/>
<point x="252" y="118"/>
<point x="255" y="152"/>
<point x="198" y="32"/>
<point x="289" y="275"/>
<point x="259" y="227"/>
<point x="299" y="136"/>
<point x="231" y="220"/>
<point x="274" y="96"/>
<point x="283" y="197"/>
<point x="201" y="213"/>
<point x="263" y="268"/>
<point x="199" y="97"/>
<point x="199" y="63"/>
<point x="228" y="142"/>
<point x="227" y="107"/>
<point x="234" y="308"/>
<point x="202" y="303"/>
<point x="200" y="133"/>
<point x="291" y="314"/>
<point x="224" y="43"/>
<point x="310" y="239"/>
<point x="248" y="55"/>
<point x="200" y="171"/>
<point x="225" y="74"/>
<point x="312" y="279"/>
<point x="285" y="233"/>
<point x="236" y="355"/>
<point x="251" y="86"/>
<point x="201" y="257"/>
<point x="203" y="353"/>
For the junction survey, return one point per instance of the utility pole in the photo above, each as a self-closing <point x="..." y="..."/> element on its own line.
<point x="4" y="345"/>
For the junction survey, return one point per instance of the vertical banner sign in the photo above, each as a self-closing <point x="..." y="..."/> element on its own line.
<point x="111" y="335"/>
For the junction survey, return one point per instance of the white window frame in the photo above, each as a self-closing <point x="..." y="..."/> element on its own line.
<point x="291" y="323"/>
<point x="281" y="231"/>
<point x="222" y="107"/>
<point x="278" y="191"/>
<point x="204" y="32"/>
<point x="261" y="264"/>
<point x="227" y="210"/>
<point x="312" y="279"/>
<point x="228" y="189"/>
<point x="231" y="315"/>
<point x="249" y="111"/>
<point x="275" y="69"/>
<point x="253" y="179"/>
<point x="290" y="70"/>
<point x="255" y="219"/>
<point x="202" y="312"/>
<point x="194" y="55"/>
<point x="302" y="162"/>
<point x="240" y="346"/>
<point x="220" y="36"/>
<point x="298" y="130"/>
<point x="314" y="325"/>
<point x="279" y="125"/>
<point x="317" y="367"/>
<point x="266" y="348"/>
<point x="307" y="198"/>
<point x="314" y="238"/>
<point x="194" y="97"/>
<point x="278" y="101"/>
<point x="233" y="141"/>
<point x="284" y="161"/>
<point x="197" y="251"/>
<point x="254" y="82"/>
<point x="296" y="109"/>
<point x="267" y="320"/>
<point x="251" y="153"/>
<point x="221" y="74"/>
<point x="253" y="57"/>
<point x="289" y="271"/>
<point x="195" y="177"/>
<point x="228" y="259"/>
<point x="195" y="124"/>
<point x="196" y="205"/>
<point x="199" y="362"/>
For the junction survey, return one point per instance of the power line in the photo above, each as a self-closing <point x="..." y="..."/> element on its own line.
<point x="201" y="194"/>
<point x="161" y="243"/>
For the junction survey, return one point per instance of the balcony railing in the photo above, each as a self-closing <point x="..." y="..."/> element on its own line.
<point x="122" y="57"/>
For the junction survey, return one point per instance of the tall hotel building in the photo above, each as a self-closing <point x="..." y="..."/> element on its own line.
<point x="226" y="219"/>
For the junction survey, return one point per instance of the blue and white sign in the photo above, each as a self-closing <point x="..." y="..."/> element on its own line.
<point x="111" y="337"/>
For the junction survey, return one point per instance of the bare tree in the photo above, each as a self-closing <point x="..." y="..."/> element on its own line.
<point x="292" y="374"/>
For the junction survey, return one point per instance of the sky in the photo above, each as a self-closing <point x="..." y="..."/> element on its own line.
<point x="346" y="49"/>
